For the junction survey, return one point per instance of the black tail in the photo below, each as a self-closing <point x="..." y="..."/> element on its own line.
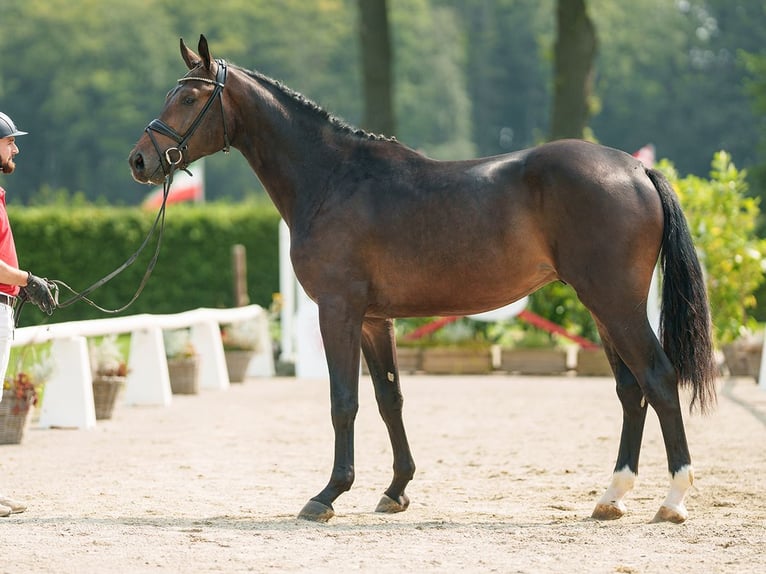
<point x="685" y="330"/>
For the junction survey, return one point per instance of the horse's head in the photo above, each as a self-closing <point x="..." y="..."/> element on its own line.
<point x="190" y="126"/>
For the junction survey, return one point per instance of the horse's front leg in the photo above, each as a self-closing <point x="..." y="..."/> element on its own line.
<point x="340" y="327"/>
<point x="379" y="347"/>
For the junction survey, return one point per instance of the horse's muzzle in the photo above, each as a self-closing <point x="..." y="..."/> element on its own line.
<point x="142" y="173"/>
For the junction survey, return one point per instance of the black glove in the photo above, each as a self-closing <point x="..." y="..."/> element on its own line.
<point x="38" y="291"/>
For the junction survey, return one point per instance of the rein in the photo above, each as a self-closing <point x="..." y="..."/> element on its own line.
<point x="176" y="160"/>
<point x="82" y="295"/>
<point x="54" y="284"/>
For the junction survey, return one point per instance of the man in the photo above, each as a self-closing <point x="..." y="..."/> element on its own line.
<point x="13" y="281"/>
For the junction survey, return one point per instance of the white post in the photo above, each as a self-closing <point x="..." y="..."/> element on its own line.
<point x="287" y="285"/>
<point x="148" y="381"/>
<point x="68" y="401"/>
<point x="310" y="361"/>
<point x="762" y="370"/>
<point x="206" y="338"/>
<point x="262" y="364"/>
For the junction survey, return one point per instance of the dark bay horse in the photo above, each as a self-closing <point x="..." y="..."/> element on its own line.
<point x="379" y="231"/>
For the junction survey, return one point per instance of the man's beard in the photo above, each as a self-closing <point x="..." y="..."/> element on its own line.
<point x="8" y="167"/>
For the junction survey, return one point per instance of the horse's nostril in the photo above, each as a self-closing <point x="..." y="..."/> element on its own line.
<point x="138" y="162"/>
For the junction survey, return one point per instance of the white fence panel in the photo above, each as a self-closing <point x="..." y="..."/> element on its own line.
<point x="69" y="393"/>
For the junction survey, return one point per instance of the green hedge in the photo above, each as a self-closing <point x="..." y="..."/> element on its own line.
<point x="79" y="245"/>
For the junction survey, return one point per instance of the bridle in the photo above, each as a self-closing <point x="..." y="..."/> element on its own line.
<point x="175" y="155"/>
<point x="176" y="160"/>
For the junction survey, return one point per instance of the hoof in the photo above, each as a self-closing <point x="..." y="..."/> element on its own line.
<point x="316" y="512"/>
<point x="608" y="511"/>
<point x="391" y="506"/>
<point x="666" y="514"/>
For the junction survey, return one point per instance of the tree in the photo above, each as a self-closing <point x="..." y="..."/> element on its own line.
<point x="507" y="70"/>
<point x="377" y="64"/>
<point x="574" y="54"/>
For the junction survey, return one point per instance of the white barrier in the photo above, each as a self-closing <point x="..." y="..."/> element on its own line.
<point x="69" y="392"/>
<point x="762" y="368"/>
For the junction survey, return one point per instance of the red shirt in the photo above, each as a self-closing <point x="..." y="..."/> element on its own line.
<point x="7" y="246"/>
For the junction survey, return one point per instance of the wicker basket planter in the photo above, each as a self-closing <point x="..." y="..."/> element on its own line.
<point x="184" y="375"/>
<point x="237" y="362"/>
<point x="105" y="392"/>
<point x="14" y="418"/>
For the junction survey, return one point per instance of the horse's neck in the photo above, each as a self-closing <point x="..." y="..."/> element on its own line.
<point x="292" y="159"/>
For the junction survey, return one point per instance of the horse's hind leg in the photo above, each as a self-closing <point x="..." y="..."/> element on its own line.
<point x="379" y="350"/>
<point x="611" y="506"/>
<point x="639" y="349"/>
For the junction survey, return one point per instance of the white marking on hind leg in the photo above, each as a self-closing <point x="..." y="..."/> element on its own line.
<point x="611" y="505"/>
<point x="673" y="509"/>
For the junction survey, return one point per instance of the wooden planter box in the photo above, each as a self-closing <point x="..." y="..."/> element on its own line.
<point x="593" y="363"/>
<point x="456" y="360"/>
<point x="743" y="358"/>
<point x="539" y="361"/>
<point x="408" y="359"/>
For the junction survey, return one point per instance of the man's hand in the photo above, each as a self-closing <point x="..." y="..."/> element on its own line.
<point x="38" y="291"/>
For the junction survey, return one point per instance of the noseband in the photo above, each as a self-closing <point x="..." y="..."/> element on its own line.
<point x="175" y="155"/>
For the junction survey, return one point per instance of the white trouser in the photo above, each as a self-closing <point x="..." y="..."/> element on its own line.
<point x="6" y="336"/>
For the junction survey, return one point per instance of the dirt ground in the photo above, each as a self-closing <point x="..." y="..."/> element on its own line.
<point x="509" y="469"/>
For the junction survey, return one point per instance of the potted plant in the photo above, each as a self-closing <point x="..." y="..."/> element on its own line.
<point x="19" y="396"/>
<point x="110" y="371"/>
<point x="183" y="362"/>
<point x="240" y="344"/>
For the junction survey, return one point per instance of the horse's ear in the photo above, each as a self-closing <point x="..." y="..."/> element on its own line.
<point x="204" y="51"/>
<point x="191" y="59"/>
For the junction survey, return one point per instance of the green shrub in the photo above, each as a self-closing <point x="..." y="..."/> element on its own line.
<point x="723" y="220"/>
<point x="80" y="245"/>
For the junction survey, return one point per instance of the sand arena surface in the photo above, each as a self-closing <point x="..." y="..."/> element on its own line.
<point x="509" y="469"/>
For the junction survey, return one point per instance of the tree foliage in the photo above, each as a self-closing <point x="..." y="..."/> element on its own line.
<point x="723" y="221"/>
<point x="471" y="77"/>
<point x="79" y="246"/>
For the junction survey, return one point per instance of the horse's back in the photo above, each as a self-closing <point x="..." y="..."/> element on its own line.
<point x="432" y="237"/>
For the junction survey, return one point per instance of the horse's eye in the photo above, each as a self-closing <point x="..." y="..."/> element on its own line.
<point x="188" y="100"/>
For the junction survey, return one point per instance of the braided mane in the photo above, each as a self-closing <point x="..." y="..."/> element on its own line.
<point x="307" y="104"/>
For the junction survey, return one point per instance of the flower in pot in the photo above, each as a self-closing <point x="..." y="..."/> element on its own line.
<point x="107" y="359"/>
